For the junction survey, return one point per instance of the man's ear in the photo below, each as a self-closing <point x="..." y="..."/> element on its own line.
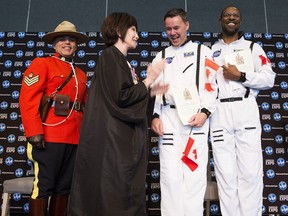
<point x="188" y="25"/>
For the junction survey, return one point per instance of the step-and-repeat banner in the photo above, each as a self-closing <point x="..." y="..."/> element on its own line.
<point x="18" y="49"/>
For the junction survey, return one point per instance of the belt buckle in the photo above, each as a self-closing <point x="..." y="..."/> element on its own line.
<point x="77" y="106"/>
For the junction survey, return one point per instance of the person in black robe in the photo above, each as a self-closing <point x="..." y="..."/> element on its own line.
<point x="110" y="168"/>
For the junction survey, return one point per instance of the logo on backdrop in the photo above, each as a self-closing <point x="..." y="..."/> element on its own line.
<point x="19" y="49"/>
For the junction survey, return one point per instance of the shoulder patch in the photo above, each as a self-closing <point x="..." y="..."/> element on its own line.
<point x="217" y="53"/>
<point x="169" y="59"/>
<point x="31" y="79"/>
<point x="187" y="54"/>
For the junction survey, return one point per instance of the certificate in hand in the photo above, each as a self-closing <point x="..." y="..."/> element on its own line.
<point x="242" y="59"/>
<point x="187" y="102"/>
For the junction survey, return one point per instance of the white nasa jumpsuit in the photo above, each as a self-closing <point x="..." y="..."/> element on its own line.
<point x="182" y="191"/>
<point x="236" y="132"/>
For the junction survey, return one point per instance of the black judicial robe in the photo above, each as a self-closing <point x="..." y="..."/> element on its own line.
<point x="110" y="168"/>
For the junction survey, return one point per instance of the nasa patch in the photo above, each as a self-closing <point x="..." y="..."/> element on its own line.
<point x="217" y="53"/>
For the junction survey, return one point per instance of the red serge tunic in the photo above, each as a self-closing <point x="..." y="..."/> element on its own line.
<point x="43" y="76"/>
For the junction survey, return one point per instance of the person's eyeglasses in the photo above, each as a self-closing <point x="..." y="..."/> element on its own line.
<point x="66" y="37"/>
<point x="225" y="15"/>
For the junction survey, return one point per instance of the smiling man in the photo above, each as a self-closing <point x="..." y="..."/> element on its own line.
<point x="52" y="142"/>
<point x="180" y="118"/>
<point x="235" y="125"/>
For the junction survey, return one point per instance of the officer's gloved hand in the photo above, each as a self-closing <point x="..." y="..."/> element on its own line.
<point x="37" y="141"/>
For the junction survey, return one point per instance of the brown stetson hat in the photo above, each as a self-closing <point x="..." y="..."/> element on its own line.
<point x="65" y="28"/>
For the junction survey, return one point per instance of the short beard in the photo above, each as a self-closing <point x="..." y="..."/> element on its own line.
<point x="230" y="33"/>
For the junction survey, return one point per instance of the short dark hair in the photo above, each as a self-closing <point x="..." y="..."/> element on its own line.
<point x="114" y="23"/>
<point x="177" y="12"/>
<point x="229" y="6"/>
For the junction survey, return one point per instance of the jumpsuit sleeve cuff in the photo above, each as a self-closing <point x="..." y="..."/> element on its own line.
<point x="242" y="77"/>
<point x="155" y="115"/>
<point x="206" y="111"/>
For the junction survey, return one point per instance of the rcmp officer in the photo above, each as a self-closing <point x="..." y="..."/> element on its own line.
<point x="52" y="144"/>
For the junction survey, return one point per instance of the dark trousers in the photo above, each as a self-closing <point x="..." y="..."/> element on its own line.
<point x="53" y="169"/>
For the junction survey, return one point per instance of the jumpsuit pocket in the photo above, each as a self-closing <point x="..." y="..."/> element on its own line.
<point x="217" y="136"/>
<point x="198" y="133"/>
<point x="167" y="139"/>
<point x="167" y="147"/>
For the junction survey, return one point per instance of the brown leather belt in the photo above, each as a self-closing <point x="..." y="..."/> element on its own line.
<point x="78" y="106"/>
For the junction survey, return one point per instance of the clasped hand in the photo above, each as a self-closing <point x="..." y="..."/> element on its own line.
<point x="231" y="72"/>
<point x="153" y="71"/>
<point x="197" y="120"/>
<point x="158" y="89"/>
<point x="37" y="141"/>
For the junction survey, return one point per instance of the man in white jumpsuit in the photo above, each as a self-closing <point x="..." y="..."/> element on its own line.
<point x="183" y="185"/>
<point x="235" y="125"/>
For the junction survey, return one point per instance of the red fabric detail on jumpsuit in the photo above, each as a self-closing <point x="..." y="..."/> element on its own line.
<point x="211" y="69"/>
<point x="190" y="162"/>
<point x="264" y="60"/>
